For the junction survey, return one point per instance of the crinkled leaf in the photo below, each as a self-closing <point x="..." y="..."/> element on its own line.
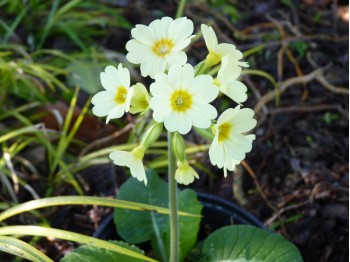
<point x="248" y="244"/>
<point x="135" y="226"/>
<point x="88" y="253"/>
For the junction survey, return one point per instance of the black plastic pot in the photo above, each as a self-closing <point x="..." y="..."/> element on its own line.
<point x="217" y="212"/>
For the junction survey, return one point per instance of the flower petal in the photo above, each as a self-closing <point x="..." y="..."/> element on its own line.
<point x="203" y="89"/>
<point x="227" y="115"/>
<point x="117" y="112"/>
<point x="128" y="98"/>
<point x="176" y="58"/>
<point x="109" y="78"/>
<point x="228" y="49"/>
<point x="181" y="29"/>
<point x="161" y="86"/>
<point x="209" y="36"/>
<point x="217" y="154"/>
<point x="201" y="115"/>
<point x="137" y="170"/>
<point x="237" y="147"/>
<point x="137" y="51"/>
<point x="229" y="70"/>
<point x="156" y="27"/>
<point x="184" y="124"/>
<point x="103" y="103"/>
<point x="175" y="76"/>
<point x="237" y="91"/>
<point x="243" y="121"/>
<point x="152" y="65"/>
<point x="123" y="76"/>
<point x="121" y="158"/>
<point x="160" y="108"/>
<point x="143" y="34"/>
<point x="103" y="97"/>
<point x="171" y="121"/>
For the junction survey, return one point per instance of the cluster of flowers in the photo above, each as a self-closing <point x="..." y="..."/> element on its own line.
<point x="179" y="96"/>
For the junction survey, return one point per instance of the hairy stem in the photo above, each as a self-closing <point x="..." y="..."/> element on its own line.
<point x="174" y="230"/>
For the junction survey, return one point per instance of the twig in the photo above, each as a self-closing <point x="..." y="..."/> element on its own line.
<point x="263" y="195"/>
<point x="257" y="185"/>
<point x="284" y="209"/>
<point x="107" y="139"/>
<point x="302" y="109"/>
<point x="283" y="87"/>
<point x="337" y="90"/>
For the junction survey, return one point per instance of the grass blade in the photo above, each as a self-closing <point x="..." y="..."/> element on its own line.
<point x="20" y="248"/>
<point x="67" y="235"/>
<point x="82" y="200"/>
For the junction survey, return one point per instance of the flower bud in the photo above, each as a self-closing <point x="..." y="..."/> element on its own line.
<point x="178" y="147"/>
<point x="205" y="133"/>
<point x="140" y="100"/>
<point x="152" y="134"/>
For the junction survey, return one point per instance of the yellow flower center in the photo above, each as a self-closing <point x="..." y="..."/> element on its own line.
<point x="120" y="97"/>
<point x="163" y="47"/>
<point x="181" y="100"/>
<point x="224" y="131"/>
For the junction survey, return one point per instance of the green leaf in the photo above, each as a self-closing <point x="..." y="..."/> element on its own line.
<point x="19" y="248"/>
<point x="85" y="74"/>
<point x="288" y="3"/>
<point x="137" y="227"/>
<point x="300" y="46"/>
<point x="247" y="243"/>
<point x="95" y="254"/>
<point x="26" y="89"/>
<point x="189" y="226"/>
<point x="71" y="236"/>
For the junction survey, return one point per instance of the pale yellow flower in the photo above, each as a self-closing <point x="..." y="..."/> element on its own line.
<point x="132" y="160"/>
<point x="158" y="46"/>
<point x="185" y="174"/>
<point x="218" y="51"/>
<point x="227" y="80"/>
<point x="114" y="101"/>
<point x="181" y="100"/>
<point x="229" y="142"/>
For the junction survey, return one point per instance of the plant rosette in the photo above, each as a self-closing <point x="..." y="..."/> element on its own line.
<point x="179" y="100"/>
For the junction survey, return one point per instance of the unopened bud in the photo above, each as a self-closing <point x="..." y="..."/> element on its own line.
<point x="205" y="133"/>
<point x="152" y="134"/>
<point x="178" y="146"/>
<point x="140" y="100"/>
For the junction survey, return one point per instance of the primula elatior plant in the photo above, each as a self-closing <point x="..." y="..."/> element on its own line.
<point x="178" y="100"/>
